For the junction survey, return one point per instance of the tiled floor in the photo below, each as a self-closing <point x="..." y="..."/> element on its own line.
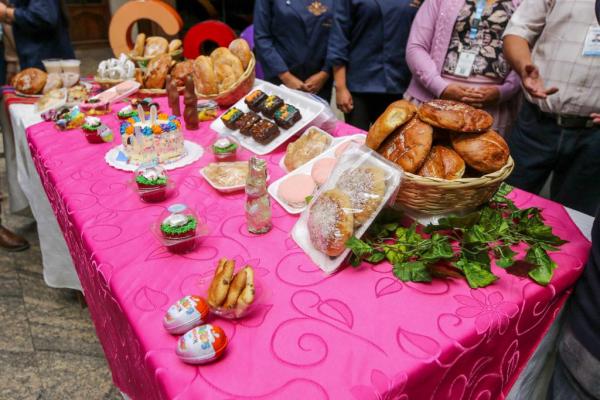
<point x="48" y="346"/>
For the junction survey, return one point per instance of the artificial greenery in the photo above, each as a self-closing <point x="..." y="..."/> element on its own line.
<point x="159" y="181"/>
<point x="463" y="245"/>
<point x="178" y="230"/>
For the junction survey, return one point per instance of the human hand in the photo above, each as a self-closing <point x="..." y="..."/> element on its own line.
<point x="483" y="95"/>
<point x="291" y="81"/>
<point x="315" y="82"/>
<point x="343" y="99"/>
<point x="457" y="92"/>
<point x="596" y="118"/>
<point x="533" y="83"/>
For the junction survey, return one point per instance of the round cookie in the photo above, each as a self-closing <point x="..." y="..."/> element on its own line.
<point x="295" y="189"/>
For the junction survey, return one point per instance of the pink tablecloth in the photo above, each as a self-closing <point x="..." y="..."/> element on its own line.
<point x="359" y="334"/>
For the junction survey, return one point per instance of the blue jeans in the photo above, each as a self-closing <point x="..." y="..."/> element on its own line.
<point x="540" y="147"/>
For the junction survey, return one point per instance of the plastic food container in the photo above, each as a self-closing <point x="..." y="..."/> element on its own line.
<point x="152" y="183"/>
<point x="91" y="128"/>
<point x="225" y="148"/>
<point x="207" y="110"/>
<point x="187" y="313"/>
<point x="201" y="345"/>
<point x="179" y="228"/>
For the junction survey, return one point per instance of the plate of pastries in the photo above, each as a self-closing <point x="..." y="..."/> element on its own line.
<point x="440" y="139"/>
<point x="266" y="117"/>
<point x="147" y="48"/>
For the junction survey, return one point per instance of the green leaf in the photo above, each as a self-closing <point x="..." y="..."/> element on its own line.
<point x="478" y="275"/>
<point x="394" y="256"/>
<point x="505" y="256"/>
<point x="544" y="266"/>
<point x="358" y="247"/>
<point x="477" y="235"/>
<point x="376" y="257"/>
<point x="440" y="249"/>
<point x="453" y="222"/>
<point x="308" y="199"/>
<point x="503" y="190"/>
<point x="412" y="271"/>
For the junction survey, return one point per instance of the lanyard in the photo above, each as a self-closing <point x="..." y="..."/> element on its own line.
<point x="477" y="20"/>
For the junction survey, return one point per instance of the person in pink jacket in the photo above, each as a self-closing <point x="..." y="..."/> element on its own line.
<point x="455" y="52"/>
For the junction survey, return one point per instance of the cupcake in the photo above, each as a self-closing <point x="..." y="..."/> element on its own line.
<point x="151" y="183"/>
<point x="179" y="229"/>
<point x="224" y="149"/>
<point x="91" y="127"/>
<point x="127" y="112"/>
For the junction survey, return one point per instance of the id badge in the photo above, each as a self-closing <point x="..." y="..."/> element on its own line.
<point x="464" y="66"/>
<point x="591" y="47"/>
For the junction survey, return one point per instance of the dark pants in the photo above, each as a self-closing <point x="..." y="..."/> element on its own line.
<point x="368" y="107"/>
<point x="540" y="147"/>
<point x="576" y="373"/>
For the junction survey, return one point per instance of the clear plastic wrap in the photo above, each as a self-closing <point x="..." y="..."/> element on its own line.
<point x="179" y="229"/>
<point x="359" y="187"/>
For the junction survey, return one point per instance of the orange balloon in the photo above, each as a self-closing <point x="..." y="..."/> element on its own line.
<point x="161" y="13"/>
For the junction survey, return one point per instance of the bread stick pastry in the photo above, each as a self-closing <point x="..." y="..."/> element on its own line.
<point x="140" y="43"/>
<point x="237" y="285"/>
<point x="247" y="296"/>
<point x="222" y="281"/>
<point x="455" y="116"/>
<point x="395" y="115"/>
<point x="330" y="222"/>
<point x="205" y="78"/>
<point x="241" y="49"/>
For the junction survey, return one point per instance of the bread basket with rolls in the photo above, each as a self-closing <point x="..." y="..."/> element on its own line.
<point x="452" y="159"/>
<point x="226" y="75"/>
<point x="145" y="49"/>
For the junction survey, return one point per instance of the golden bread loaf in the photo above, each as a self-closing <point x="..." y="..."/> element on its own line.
<point x="455" y="116"/>
<point x="241" y="49"/>
<point x="409" y="145"/>
<point x="486" y="152"/>
<point x="140" y="43"/>
<point x="30" y="81"/>
<point x="205" y="78"/>
<point x="158" y="69"/>
<point x="395" y="115"/>
<point x="443" y="162"/>
<point x="155" y="45"/>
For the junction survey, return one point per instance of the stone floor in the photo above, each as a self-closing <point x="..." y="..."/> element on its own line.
<point x="48" y="346"/>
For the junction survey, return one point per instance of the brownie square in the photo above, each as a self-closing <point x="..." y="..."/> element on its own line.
<point x="264" y="131"/>
<point x="270" y="105"/>
<point x="287" y="115"/>
<point x="231" y="117"/>
<point x="246" y="121"/>
<point x="255" y="99"/>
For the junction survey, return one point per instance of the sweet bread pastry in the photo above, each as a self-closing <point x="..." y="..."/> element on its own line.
<point x="247" y="296"/>
<point x="30" y="81"/>
<point x="140" y="43"/>
<point x="486" y="152"/>
<point x="295" y="189"/>
<point x="158" y="69"/>
<point x="155" y="45"/>
<point x="246" y="121"/>
<point x="264" y="131"/>
<point x="205" y="78"/>
<point x="443" y="162"/>
<point x="235" y="289"/>
<point x="219" y="287"/>
<point x="255" y="99"/>
<point x="409" y="145"/>
<point x="180" y="72"/>
<point x="330" y="222"/>
<point x="271" y="104"/>
<point x="231" y="117"/>
<point x="241" y="49"/>
<point x="305" y="149"/>
<point x="228" y="68"/>
<point x="174" y="45"/>
<point x="395" y="115"/>
<point x="366" y="187"/>
<point x="286" y="116"/>
<point x="455" y="116"/>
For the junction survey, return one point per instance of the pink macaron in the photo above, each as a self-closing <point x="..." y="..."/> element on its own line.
<point x="295" y="189"/>
<point x="322" y="169"/>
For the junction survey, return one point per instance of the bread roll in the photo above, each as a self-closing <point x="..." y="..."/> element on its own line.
<point x="455" y="116"/>
<point x="241" y="49"/>
<point x="443" y="162"/>
<point x="237" y="285"/>
<point x="158" y="69"/>
<point x="155" y="45"/>
<point x="174" y="45"/>
<point x="228" y="68"/>
<point x="395" y="115"/>
<point x="180" y="72"/>
<point x="366" y="187"/>
<point x="409" y="145"/>
<point x="140" y="43"/>
<point x="30" y="81"/>
<point x="486" y="152"/>
<point x="205" y="78"/>
<point x="330" y="222"/>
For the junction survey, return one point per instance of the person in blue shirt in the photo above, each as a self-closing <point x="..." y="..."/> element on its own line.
<point x="366" y="49"/>
<point x="41" y="30"/>
<point x="290" y="42"/>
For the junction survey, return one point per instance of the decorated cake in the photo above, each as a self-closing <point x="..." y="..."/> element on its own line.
<point x="157" y="138"/>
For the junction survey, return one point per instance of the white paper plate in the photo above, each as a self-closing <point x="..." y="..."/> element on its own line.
<point x="193" y="153"/>
<point x="360" y="155"/>
<point x="306" y="169"/>
<point x="224" y="189"/>
<point x="309" y="109"/>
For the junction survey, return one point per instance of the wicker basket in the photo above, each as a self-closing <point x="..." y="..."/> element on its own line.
<point x="237" y="91"/>
<point x="434" y="196"/>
